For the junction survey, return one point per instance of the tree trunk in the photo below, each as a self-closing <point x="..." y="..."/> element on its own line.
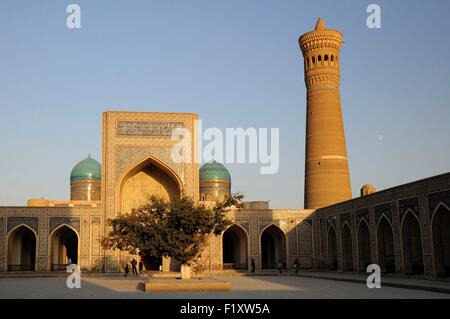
<point x="185" y="271"/>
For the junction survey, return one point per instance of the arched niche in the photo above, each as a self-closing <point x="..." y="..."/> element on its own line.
<point x="64" y="247"/>
<point x="273" y="247"/>
<point x="22" y="249"/>
<point x="235" y="248"/>
<point x="145" y="178"/>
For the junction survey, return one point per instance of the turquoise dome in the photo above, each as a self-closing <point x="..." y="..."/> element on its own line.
<point x="214" y="171"/>
<point x="87" y="169"/>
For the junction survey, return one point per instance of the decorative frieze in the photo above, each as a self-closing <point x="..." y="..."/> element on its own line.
<point x="95" y="241"/>
<point x="434" y="199"/>
<point x="42" y="263"/>
<point x="244" y="223"/>
<point x="145" y="128"/>
<point x="254" y="236"/>
<point x="330" y="221"/>
<point x="32" y="222"/>
<point x="362" y="213"/>
<point x="346" y="217"/>
<point x="411" y="204"/>
<point x="70" y="221"/>
<point x="383" y="209"/>
<point x="96" y="220"/>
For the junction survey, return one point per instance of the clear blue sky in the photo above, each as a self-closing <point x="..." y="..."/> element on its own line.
<point x="236" y="64"/>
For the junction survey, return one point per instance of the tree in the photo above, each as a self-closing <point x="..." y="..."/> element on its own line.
<point x="179" y="229"/>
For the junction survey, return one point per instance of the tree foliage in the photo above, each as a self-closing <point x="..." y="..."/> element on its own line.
<point x="179" y="229"/>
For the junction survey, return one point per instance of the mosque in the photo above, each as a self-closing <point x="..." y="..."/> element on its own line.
<point x="404" y="229"/>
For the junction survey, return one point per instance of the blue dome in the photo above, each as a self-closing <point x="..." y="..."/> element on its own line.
<point x="214" y="171"/>
<point x="87" y="169"/>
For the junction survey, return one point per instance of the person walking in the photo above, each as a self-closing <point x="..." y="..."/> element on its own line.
<point x="141" y="265"/>
<point x="296" y="265"/>
<point x="280" y="266"/>
<point x="127" y="269"/>
<point x="69" y="262"/>
<point x="133" y="266"/>
<point x="253" y="266"/>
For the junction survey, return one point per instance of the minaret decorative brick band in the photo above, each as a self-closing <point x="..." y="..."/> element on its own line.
<point x="327" y="179"/>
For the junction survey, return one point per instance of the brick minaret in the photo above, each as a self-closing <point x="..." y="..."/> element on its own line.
<point x="327" y="179"/>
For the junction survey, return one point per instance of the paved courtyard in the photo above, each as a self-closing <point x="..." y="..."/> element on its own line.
<point x="285" y="287"/>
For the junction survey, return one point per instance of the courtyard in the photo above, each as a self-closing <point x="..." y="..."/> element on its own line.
<point x="258" y="287"/>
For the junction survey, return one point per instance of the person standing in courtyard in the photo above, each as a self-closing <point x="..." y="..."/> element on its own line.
<point x="253" y="266"/>
<point x="141" y="265"/>
<point x="127" y="269"/>
<point x="133" y="266"/>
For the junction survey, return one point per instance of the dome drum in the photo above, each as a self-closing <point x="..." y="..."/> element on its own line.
<point x="85" y="180"/>
<point x="215" y="182"/>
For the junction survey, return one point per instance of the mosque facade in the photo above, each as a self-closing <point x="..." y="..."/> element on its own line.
<point x="404" y="229"/>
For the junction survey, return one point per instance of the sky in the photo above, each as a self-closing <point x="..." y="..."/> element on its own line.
<point x="236" y="64"/>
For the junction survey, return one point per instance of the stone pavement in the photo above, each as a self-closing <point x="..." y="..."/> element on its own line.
<point x="248" y="287"/>
<point x="442" y="286"/>
<point x="417" y="283"/>
<point x="388" y="280"/>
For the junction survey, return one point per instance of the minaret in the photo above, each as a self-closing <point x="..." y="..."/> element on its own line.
<point x="327" y="179"/>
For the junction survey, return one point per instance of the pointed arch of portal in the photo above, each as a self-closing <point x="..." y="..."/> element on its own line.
<point x="305" y="244"/>
<point x="346" y="247"/>
<point x="21" y="248"/>
<point x="146" y="177"/>
<point x="332" y="248"/>
<point x="64" y="247"/>
<point x="440" y="228"/>
<point x="412" y="244"/>
<point x="273" y="247"/>
<point x="385" y="245"/>
<point x="363" y="245"/>
<point x="235" y="247"/>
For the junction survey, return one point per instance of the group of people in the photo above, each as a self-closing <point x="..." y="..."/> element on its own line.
<point x="279" y="266"/>
<point x="134" y="264"/>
